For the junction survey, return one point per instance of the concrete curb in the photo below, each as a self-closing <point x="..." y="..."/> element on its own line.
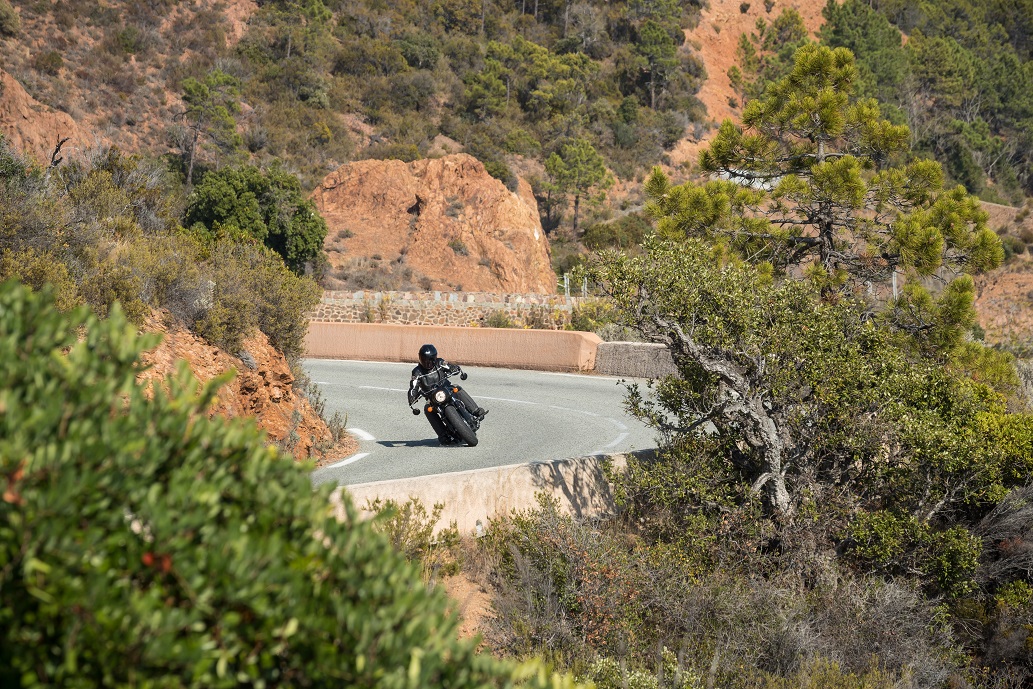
<point x="472" y="498"/>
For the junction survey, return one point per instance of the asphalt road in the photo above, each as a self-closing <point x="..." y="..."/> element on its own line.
<point x="534" y="416"/>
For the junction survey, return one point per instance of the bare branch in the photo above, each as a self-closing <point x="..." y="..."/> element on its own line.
<point x="55" y="157"/>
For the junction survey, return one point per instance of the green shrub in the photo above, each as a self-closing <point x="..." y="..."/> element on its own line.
<point x="38" y="269"/>
<point x="608" y="673"/>
<point x="1012" y="246"/>
<point x="10" y="23"/>
<point x="249" y="287"/>
<point x="266" y="205"/>
<point x="498" y="319"/>
<point x="48" y="62"/>
<point x="458" y="246"/>
<point x="589" y="315"/>
<point x="625" y="232"/>
<point x="407" y="153"/>
<point x="410" y="529"/>
<point x="143" y="543"/>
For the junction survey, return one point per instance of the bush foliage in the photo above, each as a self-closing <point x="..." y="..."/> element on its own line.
<point x="106" y="228"/>
<point x="143" y="543"/>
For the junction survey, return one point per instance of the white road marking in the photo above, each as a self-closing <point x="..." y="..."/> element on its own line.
<point x="322" y="382"/>
<point x="618" y="441"/>
<point x="504" y="399"/>
<point x="617" y="423"/>
<point x="576" y="411"/>
<point x="410" y="364"/>
<point x="371" y="387"/>
<point x="361" y="433"/>
<point x="353" y="458"/>
<point x="582" y="376"/>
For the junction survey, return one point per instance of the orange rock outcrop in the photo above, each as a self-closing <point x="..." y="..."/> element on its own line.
<point x="446" y="218"/>
<point x="33" y="128"/>
<point x="262" y="387"/>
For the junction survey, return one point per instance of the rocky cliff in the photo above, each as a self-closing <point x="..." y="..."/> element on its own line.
<point x="262" y="388"/>
<point x="454" y="226"/>
<point x="32" y="127"/>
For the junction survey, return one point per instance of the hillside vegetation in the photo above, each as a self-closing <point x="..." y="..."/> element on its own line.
<point x="841" y="493"/>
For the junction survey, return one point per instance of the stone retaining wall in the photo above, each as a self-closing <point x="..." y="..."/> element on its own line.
<point x="454" y="309"/>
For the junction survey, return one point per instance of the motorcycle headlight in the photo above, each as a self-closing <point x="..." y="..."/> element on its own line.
<point x="440" y="396"/>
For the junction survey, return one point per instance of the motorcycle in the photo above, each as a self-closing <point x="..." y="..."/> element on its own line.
<point x="443" y="401"/>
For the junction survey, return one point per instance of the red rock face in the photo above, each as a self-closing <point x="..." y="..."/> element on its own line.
<point x="446" y="218"/>
<point x="33" y="128"/>
<point x="261" y="388"/>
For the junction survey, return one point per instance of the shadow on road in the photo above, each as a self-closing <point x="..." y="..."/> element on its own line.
<point x="428" y="442"/>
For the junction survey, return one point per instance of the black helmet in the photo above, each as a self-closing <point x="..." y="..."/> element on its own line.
<point x="428" y="355"/>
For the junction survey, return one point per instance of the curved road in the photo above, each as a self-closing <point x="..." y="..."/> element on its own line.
<point x="534" y="416"/>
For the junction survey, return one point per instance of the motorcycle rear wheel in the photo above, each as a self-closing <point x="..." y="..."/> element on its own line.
<point x="459" y="425"/>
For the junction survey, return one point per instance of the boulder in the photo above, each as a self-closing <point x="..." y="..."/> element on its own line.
<point x="446" y="218"/>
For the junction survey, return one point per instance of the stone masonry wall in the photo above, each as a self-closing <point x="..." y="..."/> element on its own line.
<point x="457" y="309"/>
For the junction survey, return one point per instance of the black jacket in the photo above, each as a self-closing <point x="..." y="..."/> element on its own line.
<point x="424" y="379"/>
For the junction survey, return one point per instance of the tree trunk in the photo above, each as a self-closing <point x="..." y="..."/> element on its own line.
<point x="577" y="205"/>
<point x="773" y="480"/>
<point x="746" y="405"/>
<point x="190" y="156"/>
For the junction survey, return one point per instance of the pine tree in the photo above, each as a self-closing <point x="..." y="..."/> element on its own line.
<point x="816" y="179"/>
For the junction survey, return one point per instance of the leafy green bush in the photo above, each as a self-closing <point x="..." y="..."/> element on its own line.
<point x="39" y="269"/>
<point x="10" y="24"/>
<point x="589" y="315"/>
<point x="1012" y="245"/>
<point x="266" y="205"/>
<point x="498" y="319"/>
<point x="249" y="287"/>
<point x="143" y="543"/>
<point x="626" y="232"/>
<point x="410" y="529"/>
<point x="393" y="151"/>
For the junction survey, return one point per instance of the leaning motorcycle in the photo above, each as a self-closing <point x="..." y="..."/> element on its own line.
<point x="442" y="400"/>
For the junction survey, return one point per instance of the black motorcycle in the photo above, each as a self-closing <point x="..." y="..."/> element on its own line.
<point x="443" y="401"/>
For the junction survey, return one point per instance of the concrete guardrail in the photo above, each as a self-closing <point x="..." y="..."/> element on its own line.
<point x="634" y="360"/>
<point x="472" y="498"/>
<point x="546" y="350"/>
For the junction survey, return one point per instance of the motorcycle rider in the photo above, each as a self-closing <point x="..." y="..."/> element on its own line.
<point x="428" y="373"/>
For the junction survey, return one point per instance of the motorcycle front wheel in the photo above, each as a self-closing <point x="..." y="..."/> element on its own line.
<point x="459" y="425"/>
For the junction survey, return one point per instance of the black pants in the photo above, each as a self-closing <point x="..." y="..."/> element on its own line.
<point x="467" y="401"/>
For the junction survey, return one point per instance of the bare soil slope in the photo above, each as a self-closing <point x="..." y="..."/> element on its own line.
<point x="716" y="36"/>
<point x="262" y="388"/>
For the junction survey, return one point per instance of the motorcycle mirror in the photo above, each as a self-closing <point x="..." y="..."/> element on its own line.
<point x="415" y="412"/>
<point x="463" y="376"/>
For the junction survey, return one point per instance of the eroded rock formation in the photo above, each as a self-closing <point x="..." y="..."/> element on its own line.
<point x="262" y="387"/>
<point x="447" y="219"/>
<point x="33" y="128"/>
